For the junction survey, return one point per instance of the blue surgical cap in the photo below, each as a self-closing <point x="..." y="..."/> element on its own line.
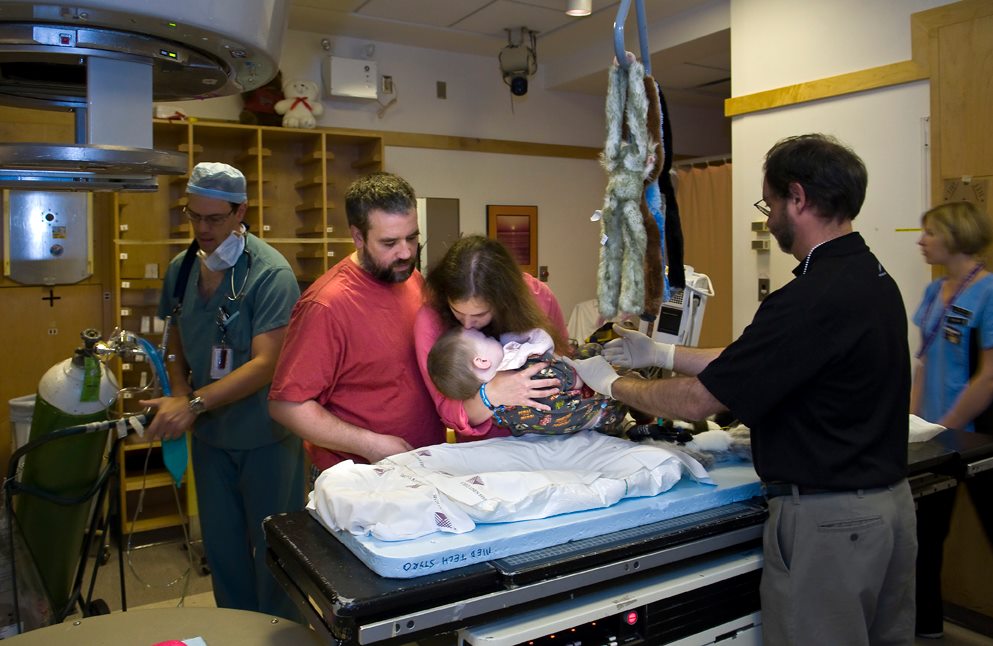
<point x="219" y="181"/>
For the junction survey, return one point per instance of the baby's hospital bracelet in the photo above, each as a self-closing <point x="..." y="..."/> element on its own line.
<point x="486" y="400"/>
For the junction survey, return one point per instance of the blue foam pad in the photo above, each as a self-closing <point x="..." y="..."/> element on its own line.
<point x="441" y="551"/>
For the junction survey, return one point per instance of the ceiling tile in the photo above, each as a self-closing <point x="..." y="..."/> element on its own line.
<point x="437" y="13"/>
<point x="492" y="19"/>
<point x="694" y="71"/>
<point x="344" y="6"/>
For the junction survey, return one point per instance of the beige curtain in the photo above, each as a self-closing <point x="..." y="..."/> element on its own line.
<point x="703" y="192"/>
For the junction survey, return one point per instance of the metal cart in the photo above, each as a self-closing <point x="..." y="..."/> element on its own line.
<point x="94" y="497"/>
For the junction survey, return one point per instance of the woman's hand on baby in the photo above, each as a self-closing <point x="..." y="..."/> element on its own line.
<point x="517" y="388"/>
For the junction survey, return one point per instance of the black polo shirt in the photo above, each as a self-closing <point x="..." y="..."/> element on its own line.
<point x="821" y="376"/>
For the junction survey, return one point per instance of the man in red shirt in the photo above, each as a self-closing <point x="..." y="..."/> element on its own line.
<point x="347" y="380"/>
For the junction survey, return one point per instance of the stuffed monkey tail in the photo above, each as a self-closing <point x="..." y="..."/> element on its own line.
<point x="653" y="264"/>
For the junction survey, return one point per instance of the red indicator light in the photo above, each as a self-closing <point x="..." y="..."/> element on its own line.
<point x="631" y="617"/>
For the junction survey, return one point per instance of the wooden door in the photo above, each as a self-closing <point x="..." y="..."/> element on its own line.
<point x="960" y="62"/>
<point x="704" y="197"/>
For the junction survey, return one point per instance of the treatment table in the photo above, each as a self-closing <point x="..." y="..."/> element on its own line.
<point x="678" y="577"/>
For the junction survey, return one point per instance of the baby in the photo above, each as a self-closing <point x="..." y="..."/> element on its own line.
<point x="463" y="360"/>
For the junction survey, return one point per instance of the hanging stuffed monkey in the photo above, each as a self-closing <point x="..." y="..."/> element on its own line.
<point x="650" y="205"/>
<point x="621" y="273"/>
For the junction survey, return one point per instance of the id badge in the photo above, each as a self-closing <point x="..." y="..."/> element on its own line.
<point x="221" y="358"/>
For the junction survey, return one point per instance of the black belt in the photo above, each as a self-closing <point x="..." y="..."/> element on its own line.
<point x="776" y="489"/>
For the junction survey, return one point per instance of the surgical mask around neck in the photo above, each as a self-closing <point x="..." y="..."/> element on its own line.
<point x="227" y="253"/>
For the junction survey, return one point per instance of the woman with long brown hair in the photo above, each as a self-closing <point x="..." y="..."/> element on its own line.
<point x="478" y="285"/>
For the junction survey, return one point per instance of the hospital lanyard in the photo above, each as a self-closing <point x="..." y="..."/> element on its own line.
<point x="930" y="336"/>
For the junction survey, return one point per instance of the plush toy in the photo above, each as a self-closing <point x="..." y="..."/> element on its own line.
<point x="621" y="274"/>
<point x="652" y="214"/>
<point x="260" y="104"/>
<point x="301" y="105"/>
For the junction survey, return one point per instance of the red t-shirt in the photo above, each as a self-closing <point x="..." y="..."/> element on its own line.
<point x="350" y="347"/>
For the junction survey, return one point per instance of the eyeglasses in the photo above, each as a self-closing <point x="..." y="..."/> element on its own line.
<point x="212" y="219"/>
<point x="763" y="207"/>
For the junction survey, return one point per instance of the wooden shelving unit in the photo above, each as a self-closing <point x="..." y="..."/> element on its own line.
<point x="295" y="177"/>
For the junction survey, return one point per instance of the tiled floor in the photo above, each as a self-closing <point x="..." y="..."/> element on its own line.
<point x="159" y="571"/>
<point x="956" y="636"/>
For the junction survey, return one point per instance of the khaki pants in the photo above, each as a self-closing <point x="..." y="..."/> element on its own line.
<point x="839" y="569"/>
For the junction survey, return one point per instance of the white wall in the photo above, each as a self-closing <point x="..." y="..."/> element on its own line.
<point x="773" y="43"/>
<point x="566" y="191"/>
<point x="478" y="104"/>
<point x="566" y="197"/>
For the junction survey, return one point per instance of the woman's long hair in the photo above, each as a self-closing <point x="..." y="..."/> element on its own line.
<point x="480" y="267"/>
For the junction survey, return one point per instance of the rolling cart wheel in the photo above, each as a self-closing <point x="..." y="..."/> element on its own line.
<point x="204" y="568"/>
<point x="97" y="607"/>
<point x="104" y="555"/>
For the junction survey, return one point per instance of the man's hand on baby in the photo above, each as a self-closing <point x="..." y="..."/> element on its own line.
<point x="517" y="388"/>
<point x="596" y="372"/>
<point x="635" y="350"/>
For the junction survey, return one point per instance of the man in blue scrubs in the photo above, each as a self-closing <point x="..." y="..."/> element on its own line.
<point x="229" y="319"/>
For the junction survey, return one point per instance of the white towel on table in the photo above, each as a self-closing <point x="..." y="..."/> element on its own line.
<point x="451" y="487"/>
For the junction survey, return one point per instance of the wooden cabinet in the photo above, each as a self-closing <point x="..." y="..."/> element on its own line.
<point x="296" y="185"/>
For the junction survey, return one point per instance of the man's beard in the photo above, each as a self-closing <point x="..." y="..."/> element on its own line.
<point x="389" y="273"/>
<point x="785" y="236"/>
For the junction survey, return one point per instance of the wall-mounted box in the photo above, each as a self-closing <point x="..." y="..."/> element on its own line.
<point x="47" y="237"/>
<point x="760" y="226"/>
<point x="349" y="78"/>
<point x="760" y="245"/>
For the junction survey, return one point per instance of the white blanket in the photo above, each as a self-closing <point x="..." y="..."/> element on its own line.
<point x="451" y="487"/>
<point x="922" y="430"/>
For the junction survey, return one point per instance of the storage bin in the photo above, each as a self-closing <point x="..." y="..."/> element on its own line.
<point x="21" y="412"/>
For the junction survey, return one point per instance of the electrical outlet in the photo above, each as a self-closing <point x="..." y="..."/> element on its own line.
<point x="441" y="89"/>
<point x="386" y="87"/>
<point x="763" y="288"/>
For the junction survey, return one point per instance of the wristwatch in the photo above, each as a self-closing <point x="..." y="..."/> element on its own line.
<point x="196" y="405"/>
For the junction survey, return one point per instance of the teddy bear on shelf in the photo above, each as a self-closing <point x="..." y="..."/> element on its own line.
<point x="260" y="104"/>
<point x="301" y="106"/>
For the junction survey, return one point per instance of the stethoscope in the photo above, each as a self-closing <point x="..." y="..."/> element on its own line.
<point x="236" y="295"/>
<point x="224" y="320"/>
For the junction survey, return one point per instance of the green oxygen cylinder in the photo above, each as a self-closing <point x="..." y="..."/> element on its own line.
<point x="75" y="391"/>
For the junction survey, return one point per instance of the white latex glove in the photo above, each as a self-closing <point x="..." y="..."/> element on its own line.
<point x="595" y="373"/>
<point x="635" y="350"/>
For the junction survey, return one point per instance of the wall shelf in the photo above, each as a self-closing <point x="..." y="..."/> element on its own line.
<point x="309" y="168"/>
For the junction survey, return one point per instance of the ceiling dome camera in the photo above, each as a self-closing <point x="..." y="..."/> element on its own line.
<point x="518" y="61"/>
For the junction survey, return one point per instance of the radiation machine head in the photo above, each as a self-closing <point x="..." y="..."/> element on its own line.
<point x="107" y="61"/>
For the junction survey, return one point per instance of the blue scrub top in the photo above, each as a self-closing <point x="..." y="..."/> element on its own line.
<point x="947" y="357"/>
<point x="263" y="304"/>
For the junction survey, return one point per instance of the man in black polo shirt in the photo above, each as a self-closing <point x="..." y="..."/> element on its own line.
<point x="822" y="378"/>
